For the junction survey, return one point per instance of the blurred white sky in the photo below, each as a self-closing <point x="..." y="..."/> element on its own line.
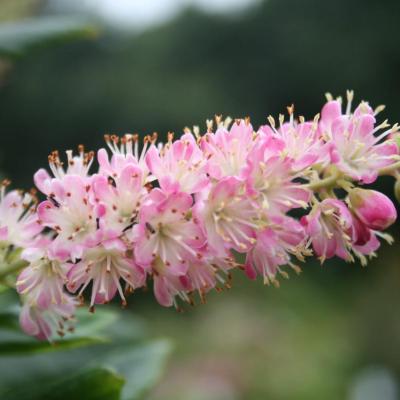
<point x="140" y="14"/>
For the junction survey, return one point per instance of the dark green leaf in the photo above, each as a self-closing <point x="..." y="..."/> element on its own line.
<point x="101" y="339"/>
<point x="94" y="324"/>
<point x="9" y="321"/>
<point x="95" y="384"/>
<point x="142" y="366"/>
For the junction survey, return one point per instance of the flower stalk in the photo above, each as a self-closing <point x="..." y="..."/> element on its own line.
<point x="326" y="183"/>
<point x="12" y="268"/>
<point x="390" y="169"/>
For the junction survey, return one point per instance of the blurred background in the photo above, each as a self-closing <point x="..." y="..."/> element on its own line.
<point x="73" y="70"/>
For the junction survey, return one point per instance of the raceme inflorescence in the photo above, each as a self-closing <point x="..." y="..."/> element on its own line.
<point x="180" y="213"/>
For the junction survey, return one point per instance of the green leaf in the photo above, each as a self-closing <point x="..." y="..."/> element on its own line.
<point x="8" y="320"/>
<point x="95" y="384"/>
<point x="107" y="339"/>
<point x="3" y="288"/>
<point x="94" y="324"/>
<point x="142" y="366"/>
<point x="18" y="37"/>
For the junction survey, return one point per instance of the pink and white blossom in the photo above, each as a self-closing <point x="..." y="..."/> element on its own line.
<point x="105" y="266"/>
<point x="179" y="165"/>
<point x="125" y="151"/>
<point x="329" y="226"/>
<point x="78" y="165"/>
<point x="45" y="323"/>
<point x="45" y="276"/>
<point x="228" y="216"/>
<point x="167" y="230"/>
<point x="271" y="181"/>
<point x="70" y="214"/>
<point x="169" y="285"/>
<point x="118" y="200"/>
<point x="357" y="147"/>
<point x="174" y="215"/>
<point x="302" y="140"/>
<point x="227" y="151"/>
<point x="275" y="246"/>
<point x="18" y="221"/>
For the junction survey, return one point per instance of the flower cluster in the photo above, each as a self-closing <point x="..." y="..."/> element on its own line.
<point x="179" y="213"/>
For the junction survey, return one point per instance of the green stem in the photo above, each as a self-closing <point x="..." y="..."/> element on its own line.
<point x="12" y="268"/>
<point x="331" y="180"/>
<point x="390" y="168"/>
<point x="324" y="183"/>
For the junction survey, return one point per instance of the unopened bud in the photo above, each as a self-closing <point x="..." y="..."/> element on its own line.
<point x="373" y="208"/>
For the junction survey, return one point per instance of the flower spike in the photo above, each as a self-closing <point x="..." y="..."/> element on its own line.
<point x="177" y="213"/>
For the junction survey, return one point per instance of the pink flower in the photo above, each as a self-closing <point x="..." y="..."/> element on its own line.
<point x="18" y="222"/>
<point x="70" y="214"/>
<point x="283" y="237"/>
<point x="125" y="151"/>
<point x="179" y="165"/>
<point x="302" y="141"/>
<point x="118" y="199"/>
<point x="43" y="280"/>
<point x="203" y="277"/>
<point x="105" y="265"/>
<point x="270" y="178"/>
<point x="167" y="230"/>
<point x="355" y="149"/>
<point x="330" y="228"/>
<point x="227" y="151"/>
<point x="229" y="217"/>
<point x="168" y="285"/>
<point x="76" y="165"/>
<point x="373" y="208"/>
<point x="43" y="323"/>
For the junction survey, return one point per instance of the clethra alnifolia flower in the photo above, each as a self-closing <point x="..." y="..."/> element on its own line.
<point x="177" y="214"/>
<point x="18" y="221"/>
<point x="329" y="227"/>
<point x="359" y="149"/>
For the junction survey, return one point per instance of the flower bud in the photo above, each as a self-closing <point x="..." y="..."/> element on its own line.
<point x="373" y="208"/>
<point x="361" y="232"/>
